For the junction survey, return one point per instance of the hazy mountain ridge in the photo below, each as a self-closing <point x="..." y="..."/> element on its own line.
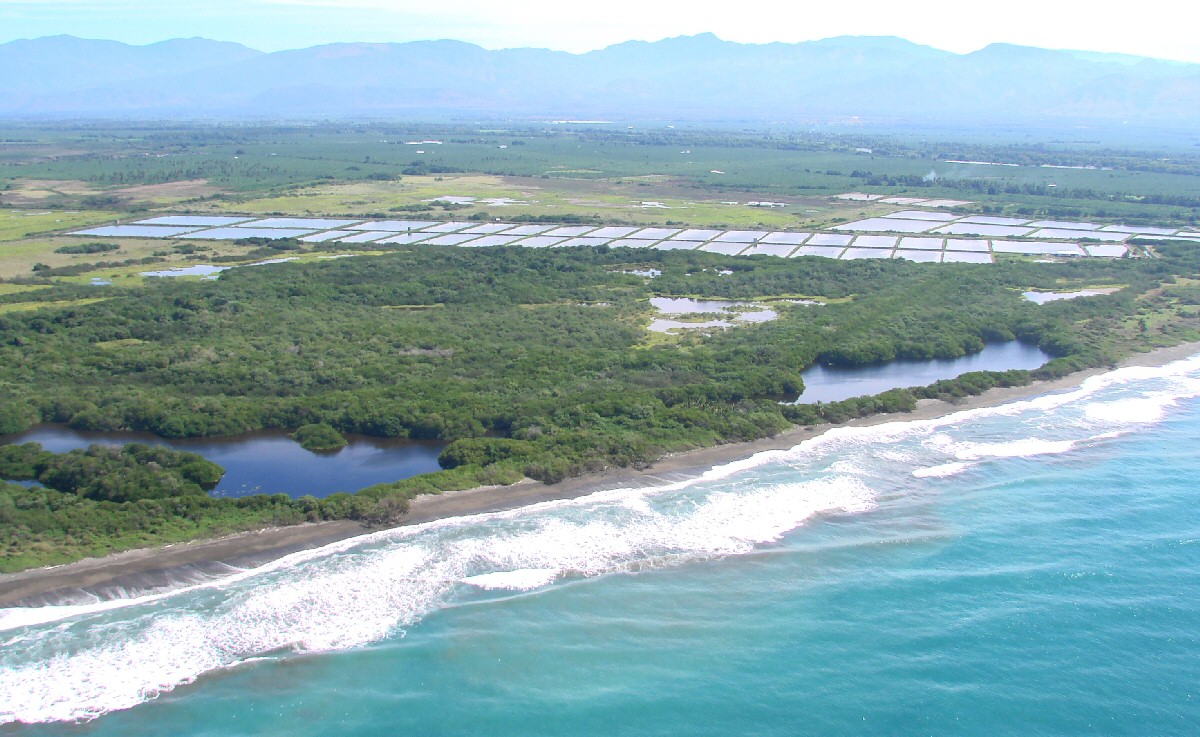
<point x="697" y="77"/>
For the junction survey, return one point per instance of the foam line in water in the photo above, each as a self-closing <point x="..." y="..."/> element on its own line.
<point x="1146" y="409"/>
<point x="361" y="590"/>
<point x="525" y="579"/>
<point x="80" y="669"/>
<point x="944" y="470"/>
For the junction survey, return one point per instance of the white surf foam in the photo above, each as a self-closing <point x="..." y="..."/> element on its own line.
<point x="1024" y="448"/>
<point x="78" y="670"/>
<point x="944" y="470"/>
<point x="525" y="579"/>
<point x="65" y="666"/>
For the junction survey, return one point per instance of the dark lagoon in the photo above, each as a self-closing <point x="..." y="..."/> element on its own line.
<point x="835" y="383"/>
<point x="270" y="462"/>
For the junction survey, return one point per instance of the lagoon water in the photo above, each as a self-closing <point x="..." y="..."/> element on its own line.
<point x="270" y="462"/>
<point x="835" y="383"/>
<point x="1027" y="569"/>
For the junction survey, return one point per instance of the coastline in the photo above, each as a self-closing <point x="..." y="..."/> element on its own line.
<point x="152" y="570"/>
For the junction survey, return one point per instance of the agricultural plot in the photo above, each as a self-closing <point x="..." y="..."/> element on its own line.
<point x="1137" y="230"/>
<point x="329" y="235"/>
<point x="741" y="236"/>
<point x="781" y="250"/>
<point x="966" y="258"/>
<point x="1037" y="249"/>
<point x="449" y="227"/>
<point x="528" y="230"/>
<point x="993" y="220"/>
<point x="396" y="226"/>
<point x="136" y="231"/>
<point x="654" y="233"/>
<point x="1063" y="233"/>
<point x="888" y="225"/>
<point x="904" y="200"/>
<point x="188" y="221"/>
<point x="696" y="235"/>
<point x="851" y="254"/>
<point x="488" y="228"/>
<point x="452" y="239"/>
<point x="924" y="257"/>
<point x="233" y="234"/>
<point x="728" y="249"/>
<point x="922" y="215"/>
<point x="921" y="244"/>
<point x="588" y="241"/>
<point x="971" y="246"/>
<point x="782" y="244"/>
<point x="830" y="239"/>
<point x="822" y="251"/>
<point x="489" y="241"/>
<point x="791" y="239"/>
<point x="981" y="229"/>
<point x="406" y="238"/>
<point x="1063" y="224"/>
<point x="571" y="231"/>
<point x="366" y="236"/>
<point x="1106" y="251"/>
<point x="945" y="203"/>
<point x="612" y="231"/>
<point x="309" y="223"/>
<point x="540" y="241"/>
<point x="876" y="241"/>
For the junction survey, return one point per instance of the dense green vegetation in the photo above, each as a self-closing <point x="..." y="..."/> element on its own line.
<point x="88" y="248"/>
<point x="319" y="436"/>
<point x="528" y="363"/>
<point x="110" y="473"/>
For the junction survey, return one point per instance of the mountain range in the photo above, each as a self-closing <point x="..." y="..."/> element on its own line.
<point x="692" y="78"/>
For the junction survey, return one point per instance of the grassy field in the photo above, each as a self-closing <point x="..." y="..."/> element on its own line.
<point x="636" y="202"/>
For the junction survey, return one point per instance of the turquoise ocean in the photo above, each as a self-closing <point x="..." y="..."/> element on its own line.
<point x="1027" y="569"/>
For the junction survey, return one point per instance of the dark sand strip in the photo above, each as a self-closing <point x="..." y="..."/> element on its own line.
<point x="156" y="569"/>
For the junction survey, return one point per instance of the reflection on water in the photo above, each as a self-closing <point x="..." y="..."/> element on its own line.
<point x="1042" y="298"/>
<point x="835" y="383"/>
<point x="205" y="270"/>
<point x="270" y="462"/>
<point x="737" y="312"/>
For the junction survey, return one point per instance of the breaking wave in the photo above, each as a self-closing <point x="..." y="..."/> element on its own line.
<point x="79" y="662"/>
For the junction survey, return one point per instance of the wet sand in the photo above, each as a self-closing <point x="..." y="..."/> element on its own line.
<point x="156" y="569"/>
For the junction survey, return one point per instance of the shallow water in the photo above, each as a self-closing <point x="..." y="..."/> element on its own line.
<point x="737" y="312"/>
<point x="1042" y="298"/>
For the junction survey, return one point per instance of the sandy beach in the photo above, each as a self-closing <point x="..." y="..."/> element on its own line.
<point x="148" y="570"/>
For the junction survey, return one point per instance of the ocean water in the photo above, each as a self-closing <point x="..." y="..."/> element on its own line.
<point x="1028" y="569"/>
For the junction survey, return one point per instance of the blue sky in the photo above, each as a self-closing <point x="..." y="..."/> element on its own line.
<point x="1149" y="27"/>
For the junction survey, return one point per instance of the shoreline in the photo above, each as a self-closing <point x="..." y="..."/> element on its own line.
<point x="152" y="570"/>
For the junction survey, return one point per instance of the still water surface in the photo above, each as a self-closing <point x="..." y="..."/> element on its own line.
<point x="835" y="383"/>
<point x="270" y="462"/>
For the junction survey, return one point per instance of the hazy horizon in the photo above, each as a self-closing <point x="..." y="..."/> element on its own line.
<point x="277" y="25"/>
